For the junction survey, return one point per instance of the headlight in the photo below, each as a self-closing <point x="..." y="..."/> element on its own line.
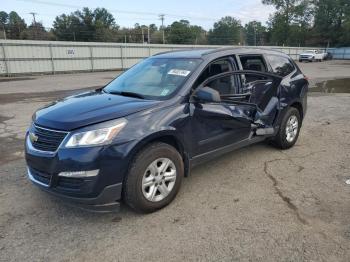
<point x="96" y="137"/>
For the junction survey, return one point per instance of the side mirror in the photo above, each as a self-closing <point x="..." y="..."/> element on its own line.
<point x="207" y="94"/>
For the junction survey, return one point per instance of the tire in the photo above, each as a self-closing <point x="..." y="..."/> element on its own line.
<point x="282" y="140"/>
<point x="144" y="170"/>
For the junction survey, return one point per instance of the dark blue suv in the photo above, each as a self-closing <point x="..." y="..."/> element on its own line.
<point x="137" y="137"/>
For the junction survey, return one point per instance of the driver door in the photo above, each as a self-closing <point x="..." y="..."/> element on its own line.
<point x="235" y="117"/>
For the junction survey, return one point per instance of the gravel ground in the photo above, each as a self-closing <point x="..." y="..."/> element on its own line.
<point x="255" y="204"/>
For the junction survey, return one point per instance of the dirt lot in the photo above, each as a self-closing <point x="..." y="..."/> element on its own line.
<point x="255" y="204"/>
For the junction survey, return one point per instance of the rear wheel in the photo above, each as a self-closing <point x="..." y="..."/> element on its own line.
<point x="289" y="130"/>
<point x="154" y="178"/>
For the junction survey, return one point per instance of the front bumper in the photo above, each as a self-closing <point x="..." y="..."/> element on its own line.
<point x="306" y="58"/>
<point x="104" y="202"/>
<point x="98" y="193"/>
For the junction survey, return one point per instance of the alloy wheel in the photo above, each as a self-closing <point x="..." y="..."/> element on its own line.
<point x="159" y="179"/>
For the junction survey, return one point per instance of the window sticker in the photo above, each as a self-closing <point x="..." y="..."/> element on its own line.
<point x="179" y="72"/>
<point x="164" y="92"/>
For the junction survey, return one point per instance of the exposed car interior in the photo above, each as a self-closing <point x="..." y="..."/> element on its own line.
<point x="247" y="88"/>
<point x="225" y="85"/>
<point x="254" y="63"/>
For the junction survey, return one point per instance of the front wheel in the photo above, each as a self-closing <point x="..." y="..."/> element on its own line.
<point x="289" y="130"/>
<point x="154" y="178"/>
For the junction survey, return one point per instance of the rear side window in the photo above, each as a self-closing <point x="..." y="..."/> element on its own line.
<point x="280" y="65"/>
<point x="255" y="63"/>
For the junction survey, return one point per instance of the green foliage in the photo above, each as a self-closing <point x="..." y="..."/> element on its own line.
<point x="181" y="32"/>
<point x="294" y="23"/>
<point x="227" y="31"/>
<point x="36" y="31"/>
<point x="331" y="25"/>
<point x="290" y="23"/>
<point x="15" y="25"/>
<point x="255" y="33"/>
<point x="86" y="25"/>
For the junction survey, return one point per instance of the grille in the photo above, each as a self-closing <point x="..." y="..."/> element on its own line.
<point x="73" y="184"/>
<point x="48" y="140"/>
<point x="41" y="176"/>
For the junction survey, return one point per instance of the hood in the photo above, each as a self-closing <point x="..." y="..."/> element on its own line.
<point x="88" y="108"/>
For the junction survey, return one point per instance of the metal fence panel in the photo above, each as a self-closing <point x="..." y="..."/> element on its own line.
<point x="107" y="64"/>
<point x="70" y="52"/>
<point x="108" y="52"/>
<point x="340" y="53"/>
<point x="26" y="56"/>
<point x="29" y="66"/>
<point x="72" y="65"/>
<point x="27" y="52"/>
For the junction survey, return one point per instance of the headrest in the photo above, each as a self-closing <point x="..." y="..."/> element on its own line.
<point x="255" y="67"/>
<point x="215" y="69"/>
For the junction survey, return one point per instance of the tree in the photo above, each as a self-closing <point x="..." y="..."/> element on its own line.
<point x="225" y="32"/>
<point x="331" y="22"/>
<point x="3" y="23"/>
<point x="15" y="26"/>
<point x="86" y="25"/>
<point x="290" y="22"/>
<point x="255" y="33"/>
<point x="36" y="31"/>
<point x="182" y="32"/>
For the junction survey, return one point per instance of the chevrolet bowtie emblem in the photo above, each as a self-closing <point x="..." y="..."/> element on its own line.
<point x="33" y="137"/>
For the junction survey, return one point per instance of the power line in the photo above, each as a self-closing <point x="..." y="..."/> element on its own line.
<point x="120" y="11"/>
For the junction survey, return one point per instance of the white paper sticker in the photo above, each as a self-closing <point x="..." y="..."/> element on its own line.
<point x="164" y="92"/>
<point x="179" y="72"/>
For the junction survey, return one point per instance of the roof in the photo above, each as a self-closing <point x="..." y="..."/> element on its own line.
<point x="202" y="52"/>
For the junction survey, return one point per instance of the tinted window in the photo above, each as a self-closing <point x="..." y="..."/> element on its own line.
<point x="223" y="85"/>
<point x="255" y="63"/>
<point x="215" y="68"/>
<point x="280" y="65"/>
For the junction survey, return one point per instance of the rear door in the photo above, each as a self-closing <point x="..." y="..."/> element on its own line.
<point x="232" y="120"/>
<point x="263" y="93"/>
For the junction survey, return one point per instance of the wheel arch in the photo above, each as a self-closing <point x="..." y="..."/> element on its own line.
<point x="298" y="105"/>
<point x="168" y="137"/>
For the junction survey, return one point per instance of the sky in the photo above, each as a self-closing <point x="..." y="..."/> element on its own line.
<point x="129" y="12"/>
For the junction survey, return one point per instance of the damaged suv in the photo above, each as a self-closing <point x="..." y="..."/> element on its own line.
<point x="136" y="138"/>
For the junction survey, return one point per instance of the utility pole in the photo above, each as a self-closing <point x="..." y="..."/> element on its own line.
<point x="34" y="24"/>
<point x="255" y="35"/>
<point x="161" y="17"/>
<point x="143" y="36"/>
<point x="33" y="14"/>
<point x="3" y="28"/>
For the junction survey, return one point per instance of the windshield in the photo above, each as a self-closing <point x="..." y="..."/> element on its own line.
<point x="309" y="51"/>
<point x="153" y="78"/>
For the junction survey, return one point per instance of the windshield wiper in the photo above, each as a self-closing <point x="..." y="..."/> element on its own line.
<point x="126" y="93"/>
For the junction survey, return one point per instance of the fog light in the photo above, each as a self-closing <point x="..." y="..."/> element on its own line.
<point x="78" y="174"/>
